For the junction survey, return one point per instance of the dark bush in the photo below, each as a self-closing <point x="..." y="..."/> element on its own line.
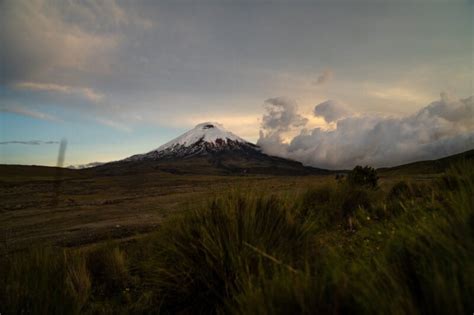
<point x="363" y="176"/>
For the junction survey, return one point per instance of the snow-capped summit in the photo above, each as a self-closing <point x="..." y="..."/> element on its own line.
<point x="205" y="138"/>
<point x="211" y="132"/>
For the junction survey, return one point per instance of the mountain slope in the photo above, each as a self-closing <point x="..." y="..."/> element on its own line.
<point x="429" y="166"/>
<point x="208" y="148"/>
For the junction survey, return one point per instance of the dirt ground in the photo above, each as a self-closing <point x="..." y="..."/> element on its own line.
<point x="73" y="208"/>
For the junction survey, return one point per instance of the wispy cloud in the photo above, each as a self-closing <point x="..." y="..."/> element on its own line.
<point x="398" y="93"/>
<point x="85" y="92"/>
<point x="114" y="124"/>
<point x="30" y="142"/>
<point x="27" y="112"/>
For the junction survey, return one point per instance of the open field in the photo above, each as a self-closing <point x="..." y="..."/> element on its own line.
<point x="71" y="208"/>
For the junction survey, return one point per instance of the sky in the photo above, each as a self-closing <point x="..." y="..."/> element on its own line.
<point x="328" y="83"/>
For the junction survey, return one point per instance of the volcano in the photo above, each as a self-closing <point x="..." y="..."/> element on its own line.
<point x="209" y="148"/>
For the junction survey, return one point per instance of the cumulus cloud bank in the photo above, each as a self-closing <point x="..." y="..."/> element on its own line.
<point x="442" y="128"/>
<point x="280" y="117"/>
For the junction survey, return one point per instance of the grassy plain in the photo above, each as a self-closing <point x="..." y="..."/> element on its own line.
<point x="44" y="205"/>
<point x="167" y="243"/>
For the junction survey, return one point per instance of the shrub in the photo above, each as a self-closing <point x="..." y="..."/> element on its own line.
<point x="363" y="176"/>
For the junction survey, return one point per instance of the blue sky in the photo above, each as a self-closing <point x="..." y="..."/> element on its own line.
<point x="116" y="78"/>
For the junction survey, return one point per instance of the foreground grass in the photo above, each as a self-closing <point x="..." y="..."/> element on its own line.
<point x="334" y="249"/>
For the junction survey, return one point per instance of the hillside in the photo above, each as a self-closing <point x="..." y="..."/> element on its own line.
<point x="427" y="167"/>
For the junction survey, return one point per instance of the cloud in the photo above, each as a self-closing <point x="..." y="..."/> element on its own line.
<point x="282" y="114"/>
<point x="40" y="39"/>
<point x="68" y="39"/>
<point x="331" y="111"/>
<point x="50" y="87"/>
<point x="398" y="94"/>
<point x="281" y="117"/>
<point x="442" y="128"/>
<point x="30" y="142"/>
<point x="27" y="112"/>
<point x="324" y="77"/>
<point x="114" y="124"/>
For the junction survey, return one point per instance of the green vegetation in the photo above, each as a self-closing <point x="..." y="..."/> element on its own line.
<point x="339" y="247"/>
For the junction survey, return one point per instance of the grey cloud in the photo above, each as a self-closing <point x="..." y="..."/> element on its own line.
<point x="37" y="39"/>
<point x="62" y="38"/>
<point x="331" y="111"/>
<point x="442" y="128"/>
<point x="30" y="142"/>
<point x="282" y="114"/>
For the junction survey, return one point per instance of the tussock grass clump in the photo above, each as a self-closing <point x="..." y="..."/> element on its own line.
<point x="109" y="268"/>
<point x="331" y="205"/>
<point x="56" y="281"/>
<point x="202" y="259"/>
<point x="43" y="281"/>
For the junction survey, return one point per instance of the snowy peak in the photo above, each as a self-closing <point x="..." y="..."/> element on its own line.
<point x="208" y="148"/>
<point x="210" y="132"/>
<point x="207" y="138"/>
